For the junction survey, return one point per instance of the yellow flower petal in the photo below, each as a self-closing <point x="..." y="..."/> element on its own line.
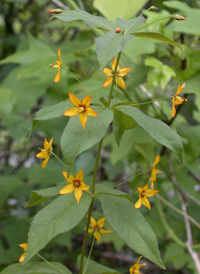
<point x="100" y="222"/>
<point x="103" y="231"/>
<point x="24" y="246"/>
<point x="157" y="160"/>
<point x="84" y="186"/>
<point x="50" y="143"/>
<point x="71" y="112"/>
<point x="146" y="202"/>
<point x="122" y="72"/>
<point x="65" y="175"/>
<point x="120" y="82"/>
<point x="138" y="203"/>
<point x="74" y="100"/>
<point x="91" y="230"/>
<point x="97" y="236"/>
<point x="108" y="82"/>
<point x="21" y="259"/>
<point x="44" y="163"/>
<point x="67" y="189"/>
<point x="78" y="193"/>
<point x="79" y="176"/>
<point x="86" y="100"/>
<point x="57" y="77"/>
<point x="83" y="119"/>
<point x="151" y="192"/>
<point x="47" y="144"/>
<point x="42" y="154"/>
<point x="179" y="100"/>
<point x="108" y="71"/>
<point x="59" y="52"/>
<point x="93" y="222"/>
<point x="91" y="112"/>
<point x="114" y="64"/>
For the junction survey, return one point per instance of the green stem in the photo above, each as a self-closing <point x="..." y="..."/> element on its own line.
<point x="58" y="158"/>
<point x="114" y="77"/>
<point x="91" y="248"/>
<point x="170" y="231"/>
<point x="179" y="211"/>
<point x="41" y="257"/>
<point x="75" y="77"/>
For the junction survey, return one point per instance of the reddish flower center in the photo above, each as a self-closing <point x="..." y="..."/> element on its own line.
<point x="76" y="183"/>
<point x="81" y="108"/>
<point x="143" y="194"/>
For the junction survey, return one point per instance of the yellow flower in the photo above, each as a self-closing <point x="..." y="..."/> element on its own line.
<point x="177" y="100"/>
<point x="81" y="108"/>
<point x="45" y="152"/>
<point x="97" y="228"/>
<point x="145" y="192"/>
<point x="24" y="246"/>
<point x="58" y="66"/>
<point x="120" y="73"/>
<point x="154" y="171"/>
<point x="136" y="267"/>
<point x="76" y="184"/>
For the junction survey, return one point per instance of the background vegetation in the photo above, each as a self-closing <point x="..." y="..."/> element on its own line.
<point x="28" y="44"/>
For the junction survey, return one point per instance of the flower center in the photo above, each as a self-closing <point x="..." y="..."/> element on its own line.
<point x="143" y="194"/>
<point x="76" y="183"/>
<point x="81" y="109"/>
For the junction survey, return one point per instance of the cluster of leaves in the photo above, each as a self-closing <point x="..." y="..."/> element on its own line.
<point x="29" y="85"/>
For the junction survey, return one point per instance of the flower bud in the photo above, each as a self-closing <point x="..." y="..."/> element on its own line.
<point x="153" y="8"/>
<point x="118" y="30"/>
<point x="56" y="11"/>
<point x="178" y="17"/>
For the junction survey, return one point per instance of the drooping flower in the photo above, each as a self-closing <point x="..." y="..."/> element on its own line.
<point x="120" y="74"/>
<point x="144" y="194"/>
<point x="81" y="108"/>
<point x="154" y="171"/>
<point x="177" y="100"/>
<point x="136" y="267"/>
<point x="58" y="66"/>
<point x="97" y="228"/>
<point x="24" y="246"/>
<point x="76" y="184"/>
<point x="45" y="152"/>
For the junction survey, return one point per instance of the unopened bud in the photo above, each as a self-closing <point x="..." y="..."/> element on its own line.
<point x="56" y="11"/>
<point x="118" y="30"/>
<point x="178" y="17"/>
<point x="153" y="8"/>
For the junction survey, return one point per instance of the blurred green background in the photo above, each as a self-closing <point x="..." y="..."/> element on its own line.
<point x="29" y="40"/>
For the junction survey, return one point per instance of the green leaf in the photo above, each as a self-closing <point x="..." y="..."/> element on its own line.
<point x="39" y="196"/>
<point x="36" y="268"/>
<point x="60" y="216"/>
<point x="131" y="226"/>
<point x="130" y="25"/>
<point x="75" y="140"/>
<point x="157" y="36"/>
<point x="158" y="130"/>
<point x="192" y="22"/>
<point x="87" y="18"/>
<point x="96" y="268"/>
<point x="109" y="45"/>
<point x="121" y="123"/>
<point x="7" y="100"/>
<point x="125" y="9"/>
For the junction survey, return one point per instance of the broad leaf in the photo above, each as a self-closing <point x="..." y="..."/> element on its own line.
<point x="39" y="196"/>
<point x="102" y="188"/>
<point x="60" y="216"/>
<point x="96" y="268"/>
<point x="130" y="25"/>
<point x="158" y="130"/>
<point x="36" y="268"/>
<point x="109" y="45"/>
<point x="125" y="9"/>
<point x="75" y="140"/>
<point x="87" y="18"/>
<point x="131" y="226"/>
<point x="157" y="36"/>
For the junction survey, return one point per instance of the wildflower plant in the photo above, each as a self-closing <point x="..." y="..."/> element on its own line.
<point x="74" y="201"/>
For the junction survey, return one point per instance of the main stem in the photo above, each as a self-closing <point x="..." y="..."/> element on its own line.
<point x="95" y="174"/>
